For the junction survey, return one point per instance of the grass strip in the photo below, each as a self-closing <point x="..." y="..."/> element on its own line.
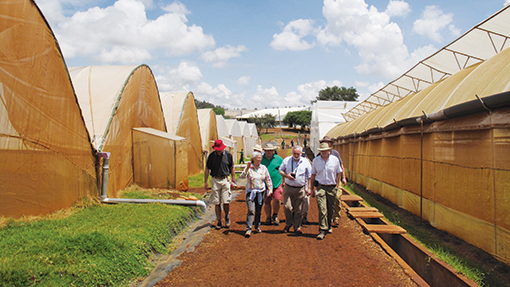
<point x="94" y="245"/>
<point x="474" y="271"/>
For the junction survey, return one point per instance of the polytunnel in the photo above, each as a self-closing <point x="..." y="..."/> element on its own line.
<point x="113" y="101"/>
<point x="235" y="133"/>
<point x="182" y="119"/>
<point x="47" y="162"/>
<point x="208" y="127"/>
<point x="224" y="135"/>
<point x="441" y="152"/>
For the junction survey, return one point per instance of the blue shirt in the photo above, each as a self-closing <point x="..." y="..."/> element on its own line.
<point x="326" y="172"/>
<point x="302" y="169"/>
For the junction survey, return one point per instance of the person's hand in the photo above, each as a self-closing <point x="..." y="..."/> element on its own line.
<point x="344" y="181"/>
<point x="308" y="191"/>
<point x="248" y="165"/>
<point x="206" y="186"/>
<point x="269" y="193"/>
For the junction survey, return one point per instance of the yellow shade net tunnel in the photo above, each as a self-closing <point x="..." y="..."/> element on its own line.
<point x="182" y="120"/>
<point x="114" y="100"/>
<point x="47" y="161"/>
<point x="442" y="152"/>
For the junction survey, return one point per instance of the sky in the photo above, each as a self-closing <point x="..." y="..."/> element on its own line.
<point x="266" y="53"/>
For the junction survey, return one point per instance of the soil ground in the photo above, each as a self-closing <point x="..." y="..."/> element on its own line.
<point x="347" y="257"/>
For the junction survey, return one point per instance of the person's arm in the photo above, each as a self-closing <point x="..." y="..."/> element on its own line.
<point x="344" y="180"/>
<point x="310" y="185"/>
<point x="245" y="171"/>
<point x="206" y="179"/>
<point x="269" y="183"/>
<point x="338" y="179"/>
<point x="233" y="173"/>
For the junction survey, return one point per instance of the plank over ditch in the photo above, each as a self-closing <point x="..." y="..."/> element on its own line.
<point x="382" y="228"/>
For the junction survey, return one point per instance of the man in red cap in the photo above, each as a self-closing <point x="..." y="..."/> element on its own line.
<point x="220" y="164"/>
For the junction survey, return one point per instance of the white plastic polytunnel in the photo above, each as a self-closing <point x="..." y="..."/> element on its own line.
<point x="222" y="126"/>
<point x="235" y="133"/>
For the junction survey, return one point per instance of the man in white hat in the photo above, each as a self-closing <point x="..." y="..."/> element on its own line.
<point x="327" y="171"/>
<point x="338" y="202"/>
<point x="220" y="164"/>
<point x="272" y="203"/>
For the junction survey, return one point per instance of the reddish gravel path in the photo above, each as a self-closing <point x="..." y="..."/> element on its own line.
<point x="348" y="257"/>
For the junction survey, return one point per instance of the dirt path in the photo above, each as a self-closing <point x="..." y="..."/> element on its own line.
<point x="348" y="257"/>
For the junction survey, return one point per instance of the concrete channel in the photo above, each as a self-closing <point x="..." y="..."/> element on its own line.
<point x="425" y="268"/>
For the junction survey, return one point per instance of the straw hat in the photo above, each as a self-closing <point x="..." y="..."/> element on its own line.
<point x="326" y="139"/>
<point x="324" y="146"/>
<point x="218" y="145"/>
<point x="269" y="147"/>
<point x="258" y="148"/>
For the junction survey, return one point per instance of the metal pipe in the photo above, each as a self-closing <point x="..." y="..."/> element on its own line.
<point x="198" y="203"/>
<point x="104" y="196"/>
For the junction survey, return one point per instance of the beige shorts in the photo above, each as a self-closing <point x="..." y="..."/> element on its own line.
<point x="220" y="191"/>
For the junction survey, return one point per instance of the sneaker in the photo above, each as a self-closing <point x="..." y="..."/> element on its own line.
<point x="321" y="235"/>
<point x="227" y="221"/>
<point x="218" y="224"/>
<point x="247" y="234"/>
<point x="286" y="229"/>
<point x="268" y="221"/>
<point x="336" y="222"/>
<point x="258" y="230"/>
<point x="275" y="220"/>
<point x="330" y="230"/>
<point x="298" y="231"/>
<point x="304" y="221"/>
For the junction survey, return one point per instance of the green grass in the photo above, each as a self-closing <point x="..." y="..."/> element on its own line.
<point x="196" y="180"/>
<point x="99" y="245"/>
<point x="470" y="269"/>
<point x="269" y="137"/>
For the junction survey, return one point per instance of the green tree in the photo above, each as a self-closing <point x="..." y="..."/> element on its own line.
<point x="219" y="110"/>
<point x="337" y="94"/>
<point x="263" y="122"/>
<point x="301" y="118"/>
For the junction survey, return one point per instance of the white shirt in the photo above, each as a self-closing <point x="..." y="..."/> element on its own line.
<point x="302" y="169"/>
<point x="326" y="172"/>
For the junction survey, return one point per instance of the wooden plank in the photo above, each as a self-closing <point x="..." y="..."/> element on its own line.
<point x="366" y="214"/>
<point x="351" y="198"/>
<point x="362" y="209"/>
<point x="389" y="229"/>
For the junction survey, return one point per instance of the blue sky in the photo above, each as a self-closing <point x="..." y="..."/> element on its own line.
<point x="257" y="54"/>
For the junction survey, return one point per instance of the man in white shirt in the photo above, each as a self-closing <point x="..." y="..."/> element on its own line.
<point x="327" y="171"/>
<point x="296" y="171"/>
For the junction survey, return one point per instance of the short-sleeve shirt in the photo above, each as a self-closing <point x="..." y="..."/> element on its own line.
<point x="326" y="171"/>
<point x="273" y="165"/>
<point x="335" y="153"/>
<point x="220" y="165"/>
<point x="302" y="170"/>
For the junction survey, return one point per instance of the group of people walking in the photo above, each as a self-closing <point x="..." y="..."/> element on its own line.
<point x="271" y="181"/>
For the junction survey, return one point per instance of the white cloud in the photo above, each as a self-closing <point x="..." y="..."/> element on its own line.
<point x="379" y="42"/>
<point x="125" y="27"/>
<point x="291" y="38"/>
<point x="179" y="79"/>
<point x="398" y="8"/>
<point x="432" y="21"/>
<point x="263" y="97"/>
<point x="219" y="95"/>
<point x="219" y="57"/>
<point x="244" y="80"/>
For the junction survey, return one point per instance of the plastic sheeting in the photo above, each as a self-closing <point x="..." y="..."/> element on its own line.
<point x="115" y="99"/>
<point x="235" y="133"/>
<point x="476" y="45"/>
<point x="159" y="159"/>
<point x="46" y="160"/>
<point x="325" y="116"/>
<point x="208" y="128"/>
<point x="182" y="119"/>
